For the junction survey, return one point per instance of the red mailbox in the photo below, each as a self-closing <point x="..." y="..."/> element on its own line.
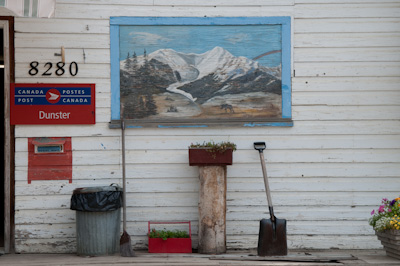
<point x="49" y="159"/>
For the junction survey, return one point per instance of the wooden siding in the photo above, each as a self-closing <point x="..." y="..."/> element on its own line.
<point x="327" y="172"/>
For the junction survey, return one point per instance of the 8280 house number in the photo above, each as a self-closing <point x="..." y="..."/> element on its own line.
<point x="59" y="69"/>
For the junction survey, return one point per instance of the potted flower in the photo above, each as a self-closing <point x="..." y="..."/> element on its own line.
<point x="169" y="241"/>
<point x="386" y="223"/>
<point x="211" y="153"/>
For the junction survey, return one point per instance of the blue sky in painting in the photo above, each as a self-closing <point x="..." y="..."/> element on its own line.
<point x="243" y="40"/>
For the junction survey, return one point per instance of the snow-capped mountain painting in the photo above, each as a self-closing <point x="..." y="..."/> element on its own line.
<point x="171" y="85"/>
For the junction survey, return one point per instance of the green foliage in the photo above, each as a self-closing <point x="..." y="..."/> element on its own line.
<point x="215" y="147"/>
<point x="164" y="234"/>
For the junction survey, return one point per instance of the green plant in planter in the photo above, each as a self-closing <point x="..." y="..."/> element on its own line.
<point x="164" y="234"/>
<point x="215" y="147"/>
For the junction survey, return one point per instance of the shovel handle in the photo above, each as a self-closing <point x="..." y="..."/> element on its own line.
<point x="123" y="174"/>
<point x="267" y="190"/>
<point x="123" y="167"/>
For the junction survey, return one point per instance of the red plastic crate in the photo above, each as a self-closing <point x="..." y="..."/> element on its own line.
<point x="171" y="245"/>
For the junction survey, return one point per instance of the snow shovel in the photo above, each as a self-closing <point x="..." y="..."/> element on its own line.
<point x="125" y="246"/>
<point x="272" y="235"/>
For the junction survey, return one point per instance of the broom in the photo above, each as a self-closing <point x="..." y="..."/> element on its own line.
<point x="125" y="246"/>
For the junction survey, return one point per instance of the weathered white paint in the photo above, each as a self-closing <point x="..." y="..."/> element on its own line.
<point x="361" y="127"/>
<point x="358" y="84"/>
<point x="374" y="39"/>
<point x="81" y="41"/>
<point x="79" y="55"/>
<point x="351" y="228"/>
<point x="319" y="9"/>
<point x="337" y="25"/>
<point x="326" y="173"/>
<point x="104" y="11"/>
<point x="341" y="1"/>
<point x="44" y="9"/>
<point x="142" y="213"/>
<point x="177" y="2"/>
<point x="301" y="142"/>
<point x="353" y="54"/>
<point x="62" y="26"/>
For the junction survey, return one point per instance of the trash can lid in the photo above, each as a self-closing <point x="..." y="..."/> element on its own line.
<point x="84" y="190"/>
<point x="97" y="199"/>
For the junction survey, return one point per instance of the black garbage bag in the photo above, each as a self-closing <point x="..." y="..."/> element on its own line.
<point x="97" y="199"/>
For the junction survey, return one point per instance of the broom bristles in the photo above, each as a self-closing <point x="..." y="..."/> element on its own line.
<point x="125" y="247"/>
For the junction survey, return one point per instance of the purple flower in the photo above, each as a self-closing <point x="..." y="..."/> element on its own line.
<point x="389" y="210"/>
<point x="373" y="211"/>
<point x="384" y="200"/>
<point x="393" y="202"/>
<point x="381" y="209"/>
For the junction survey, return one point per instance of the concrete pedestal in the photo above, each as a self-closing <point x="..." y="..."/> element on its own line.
<point x="212" y="209"/>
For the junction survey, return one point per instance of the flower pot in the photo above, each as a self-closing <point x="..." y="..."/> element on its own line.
<point x="205" y="156"/>
<point x="170" y="245"/>
<point x="390" y="240"/>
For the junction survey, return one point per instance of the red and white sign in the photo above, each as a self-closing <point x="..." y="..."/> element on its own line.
<point x="53" y="96"/>
<point x="44" y="104"/>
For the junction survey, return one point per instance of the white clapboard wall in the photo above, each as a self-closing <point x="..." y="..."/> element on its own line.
<point x="327" y="172"/>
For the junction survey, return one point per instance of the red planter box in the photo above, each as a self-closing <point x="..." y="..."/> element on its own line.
<point x="170" y="245"/>
<point x="203" y="156"/>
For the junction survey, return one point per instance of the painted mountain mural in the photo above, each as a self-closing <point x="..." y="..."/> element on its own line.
<point x="212" y="85"/>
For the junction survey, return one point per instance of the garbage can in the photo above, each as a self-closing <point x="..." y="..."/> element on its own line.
<point x="98" y="219"/>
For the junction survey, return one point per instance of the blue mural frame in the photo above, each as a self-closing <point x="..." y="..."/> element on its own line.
<point x="285" y="22"/>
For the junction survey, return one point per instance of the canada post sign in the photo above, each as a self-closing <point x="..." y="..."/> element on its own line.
<point x="55" y="104"/>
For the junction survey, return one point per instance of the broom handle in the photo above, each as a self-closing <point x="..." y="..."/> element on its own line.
<point x="123" y="174"/>
<point x="264" y="169"/>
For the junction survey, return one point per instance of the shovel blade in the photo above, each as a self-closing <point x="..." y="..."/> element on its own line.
<point x="272" y="238"/>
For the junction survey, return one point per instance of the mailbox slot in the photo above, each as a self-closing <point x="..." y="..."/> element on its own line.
<point x="49" y="159"/>
<point x="49" y="149"/>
